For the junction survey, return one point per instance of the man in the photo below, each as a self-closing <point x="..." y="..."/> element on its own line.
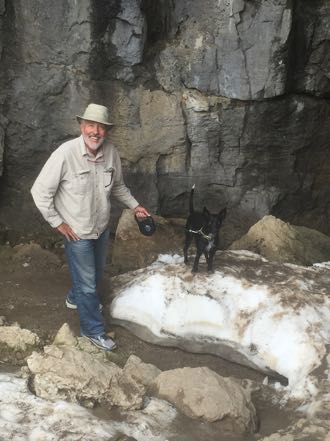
<point x="72" y="193"/>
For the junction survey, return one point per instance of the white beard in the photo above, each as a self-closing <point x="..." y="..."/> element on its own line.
<point x="92" y="145"/>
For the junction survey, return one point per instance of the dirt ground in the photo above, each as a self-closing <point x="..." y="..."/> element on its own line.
<point x="33" y="285"/>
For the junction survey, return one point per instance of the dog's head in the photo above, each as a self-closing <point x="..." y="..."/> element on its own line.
<point x="213" y="222"/>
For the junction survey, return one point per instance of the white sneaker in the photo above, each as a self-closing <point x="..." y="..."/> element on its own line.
<point x="103" y="342"/>
<point x="69" y="304"/>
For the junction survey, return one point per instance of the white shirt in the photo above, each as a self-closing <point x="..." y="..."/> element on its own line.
<point x="74" y="187"/>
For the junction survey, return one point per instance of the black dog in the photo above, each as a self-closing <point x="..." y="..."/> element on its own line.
<point x="205" y="228"/>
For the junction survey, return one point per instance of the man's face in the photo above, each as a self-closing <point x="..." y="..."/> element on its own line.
<point x="94" y="134"/>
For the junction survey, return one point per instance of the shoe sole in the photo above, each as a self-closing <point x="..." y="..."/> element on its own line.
<point x="70" y="305"/>
<point x="74" y="307"/>
<point x="101" y="347"/>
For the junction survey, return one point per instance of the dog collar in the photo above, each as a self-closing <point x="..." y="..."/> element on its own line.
<point x="205" y="236"/>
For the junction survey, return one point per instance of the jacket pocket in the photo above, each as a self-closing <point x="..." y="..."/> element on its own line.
<point x="108" y="176"/>
<point x="81" y="182"/>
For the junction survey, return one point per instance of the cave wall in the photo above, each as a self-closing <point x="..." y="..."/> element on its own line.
<point x="232" y="95"/>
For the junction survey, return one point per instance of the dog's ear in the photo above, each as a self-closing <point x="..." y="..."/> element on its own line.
<point x="206" y="212"/>
<point x="222" y="214"/>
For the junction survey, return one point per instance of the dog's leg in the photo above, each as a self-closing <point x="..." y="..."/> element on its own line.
<point x="210" y="260"/>
<point x="191" y="199"/>
<point x="186" y="246"/>
<point x="196" y="261"/>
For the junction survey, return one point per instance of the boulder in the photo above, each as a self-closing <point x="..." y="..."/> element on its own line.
<point x="279" y="241"/>
<point x="65" y="336"/>
<point x="142" y="372"/>
<point x="69" y="373"/>
<point x="202" y="393"/>
<point x="133" y="250"/>
<point x="16" y="344"/>
<point x="54" y="374"/>
<point x="127" y="392"/>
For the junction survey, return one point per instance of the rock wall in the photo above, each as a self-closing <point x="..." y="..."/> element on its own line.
<point x="232" y="95"/>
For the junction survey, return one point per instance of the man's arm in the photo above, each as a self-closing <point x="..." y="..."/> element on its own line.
<point x="43" y="192"/>
<point x="45" y="187"/>
<point x="123" y="194"/>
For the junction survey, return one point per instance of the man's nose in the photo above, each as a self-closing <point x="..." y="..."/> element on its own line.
<point x="96" y="130"/>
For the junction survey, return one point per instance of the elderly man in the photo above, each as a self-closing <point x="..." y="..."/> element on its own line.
<point x="72" y="193"/>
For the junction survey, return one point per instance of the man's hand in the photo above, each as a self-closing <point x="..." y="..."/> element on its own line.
<point x="67" y="231"/>
<point x="140" y="212"/>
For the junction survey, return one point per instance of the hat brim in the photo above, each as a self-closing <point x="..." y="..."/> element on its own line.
<point x="106" y="123"/>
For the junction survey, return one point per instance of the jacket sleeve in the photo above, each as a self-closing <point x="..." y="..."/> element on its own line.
<point x="45" y="188"/>
<point x="119" y="189"/>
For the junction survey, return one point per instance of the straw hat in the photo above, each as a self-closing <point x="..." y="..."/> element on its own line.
<point x="96" y="113"/>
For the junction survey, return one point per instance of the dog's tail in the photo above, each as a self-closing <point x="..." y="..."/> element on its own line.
<point x="191" y="199"/>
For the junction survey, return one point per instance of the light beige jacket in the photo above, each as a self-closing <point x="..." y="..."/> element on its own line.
<point x="74" y="187"/>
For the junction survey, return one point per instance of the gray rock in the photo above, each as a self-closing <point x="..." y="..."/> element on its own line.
<point x="129" y="33"/>
<point x="311" y="61"/>
<point x="235" y="49"/>
<point x="51" y="34"/>
<point x="230" y="165"/>
<point x="148" y="125"/>
<point x="2" y="7"/>
<point x="256" y="154"/>
<point x="1" y="146"/>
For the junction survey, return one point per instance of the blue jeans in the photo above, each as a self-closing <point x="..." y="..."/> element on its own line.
<point x="86" y="260"/>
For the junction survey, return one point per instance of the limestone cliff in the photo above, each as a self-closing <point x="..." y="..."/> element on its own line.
<point x="232" y="95"/>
